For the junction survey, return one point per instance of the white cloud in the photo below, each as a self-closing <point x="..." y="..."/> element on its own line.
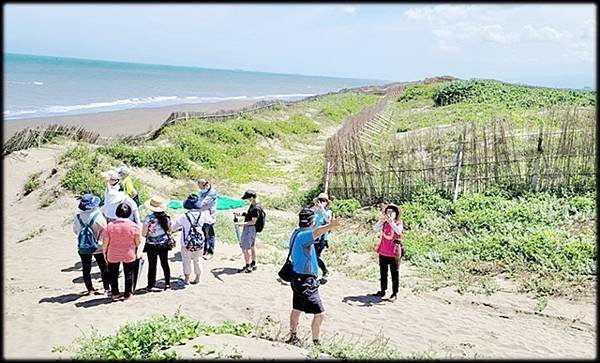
<point x="545" y="33"/>
<point x="567" y="31"/>
<point x="349" y="9"/>
<point x="439" y="12"/>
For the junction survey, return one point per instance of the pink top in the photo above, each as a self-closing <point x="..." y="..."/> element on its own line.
<point x="121" y="240"/>
<point x="388" y="235"/>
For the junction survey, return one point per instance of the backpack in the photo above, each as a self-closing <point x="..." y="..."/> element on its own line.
<point x="87" y="242"/>
<point x="195" y="239"/>
<point x="260" y="221"/>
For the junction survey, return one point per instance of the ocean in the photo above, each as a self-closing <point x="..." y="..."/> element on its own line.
<point x="40" y="86"/>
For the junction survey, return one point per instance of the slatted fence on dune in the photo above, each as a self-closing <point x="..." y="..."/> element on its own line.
<point x="34" y="137"/>
<point x="367" y="160"/>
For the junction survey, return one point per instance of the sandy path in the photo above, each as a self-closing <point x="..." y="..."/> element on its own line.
<point x="42" y="305"/>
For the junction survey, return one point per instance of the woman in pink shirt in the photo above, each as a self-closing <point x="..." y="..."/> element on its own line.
<point x="120" y="241"/>
<point x="389" y="249"/>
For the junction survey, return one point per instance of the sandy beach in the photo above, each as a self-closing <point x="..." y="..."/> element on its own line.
<point x="44" y="308"/>
<point x="125" y="122"/>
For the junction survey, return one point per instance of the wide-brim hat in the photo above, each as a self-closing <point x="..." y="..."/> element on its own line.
<point x="191" y="202"/>
<point x="156" y="204"/>
<point x="110" y="175"/>
<point x="88" y="202"/>
<point x="114" y="196"/>
<point x="322" y="196"/>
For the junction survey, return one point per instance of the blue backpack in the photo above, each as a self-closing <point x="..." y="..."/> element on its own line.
<point x="87" y="243"/>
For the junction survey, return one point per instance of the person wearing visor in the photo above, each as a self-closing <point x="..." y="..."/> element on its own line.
<point x="389" y="249"/>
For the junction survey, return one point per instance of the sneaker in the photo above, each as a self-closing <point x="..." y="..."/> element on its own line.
<point x="93" y="292"/>
<point x="208" y="256"/>
<point x="293" y="340"/>
<point x="196" y="280"/>
<point x="327" y="274"/>
<point x="167" y="287"/>
<point x="316" y="342"/>
<point x="392" y="298"/>
<point x="253" y="267"/>
<point x="117" y="298"/>
<point x="379" y="293"/>
<point x="244" y="269"/>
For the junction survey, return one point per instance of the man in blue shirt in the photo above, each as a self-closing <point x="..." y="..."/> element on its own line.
<point x="305" y="285"/>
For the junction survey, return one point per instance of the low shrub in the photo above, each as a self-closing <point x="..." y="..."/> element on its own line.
<point x="345" y="207"/>
<point x="146" y="339"/>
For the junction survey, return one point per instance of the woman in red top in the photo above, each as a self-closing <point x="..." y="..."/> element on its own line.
<point x="120" y="241"/>
<point x="389" y="249"/>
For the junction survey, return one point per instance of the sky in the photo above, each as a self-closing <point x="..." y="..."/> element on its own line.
<point x="539" y="44"/>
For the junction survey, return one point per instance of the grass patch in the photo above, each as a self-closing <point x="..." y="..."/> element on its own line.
<point x="34" y="233"/>
<point x="378" y="348"/>
<point x="33" y="182"/>
<point x="83" y="174"/>
<point x="147" y="339"/>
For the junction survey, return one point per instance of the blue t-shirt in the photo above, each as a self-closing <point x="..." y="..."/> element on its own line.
<point x="320" y="221"/>
<point x="304" y="256"/>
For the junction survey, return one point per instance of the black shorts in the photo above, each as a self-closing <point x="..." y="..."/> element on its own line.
<point x="306" y="297"/>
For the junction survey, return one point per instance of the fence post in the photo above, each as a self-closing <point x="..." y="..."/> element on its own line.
<point x="535" y="177"/>
<point x="327" y="176"/>
<point x="459" y="155"/>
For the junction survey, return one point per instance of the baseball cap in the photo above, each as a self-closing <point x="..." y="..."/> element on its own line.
<point x="249" y="194"/>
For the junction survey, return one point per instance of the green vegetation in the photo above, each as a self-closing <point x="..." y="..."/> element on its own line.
<point x="33" y="182"/>
<point x="170" y="161"/>
<point x="235" y="150"/>
<point x="519" y="106"/>
<point x="83" y="174"/>
<point x="508" y="95"/>
<point x="376" y="349"/>
<point x="344" y="207"/>
<point x="147" y="339"/>
<point x="544" y="241"/>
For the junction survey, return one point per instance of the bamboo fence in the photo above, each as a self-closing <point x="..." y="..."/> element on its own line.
<point x="459" y="158"/>
<point x="35" y="137"/>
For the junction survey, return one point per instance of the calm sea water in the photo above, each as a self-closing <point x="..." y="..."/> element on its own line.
<point x="38" y="86"/>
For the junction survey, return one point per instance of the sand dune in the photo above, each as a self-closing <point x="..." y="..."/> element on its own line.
<point x="43" y="306"/>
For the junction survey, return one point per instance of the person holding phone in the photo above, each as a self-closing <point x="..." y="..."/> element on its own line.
<point x="389" y="249"/>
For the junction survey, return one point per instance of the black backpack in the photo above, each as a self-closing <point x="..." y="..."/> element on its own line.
<point x="260" y="221"/>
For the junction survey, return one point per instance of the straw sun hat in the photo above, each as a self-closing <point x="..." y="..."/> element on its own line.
<point x="156" y="204"/>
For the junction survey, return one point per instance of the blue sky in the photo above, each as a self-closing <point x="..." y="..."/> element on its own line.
<point x="553" y="45"/>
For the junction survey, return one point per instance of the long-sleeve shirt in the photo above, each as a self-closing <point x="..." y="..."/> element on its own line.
<point x="208" y="201"/>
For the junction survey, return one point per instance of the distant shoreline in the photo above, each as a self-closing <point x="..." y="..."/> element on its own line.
<point x="123" y="122"/>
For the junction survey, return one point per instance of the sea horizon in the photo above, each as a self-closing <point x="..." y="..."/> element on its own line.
<point x="46" y="86"/>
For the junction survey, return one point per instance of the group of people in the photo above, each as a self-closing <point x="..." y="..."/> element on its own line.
<point x="112" y="236"/>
